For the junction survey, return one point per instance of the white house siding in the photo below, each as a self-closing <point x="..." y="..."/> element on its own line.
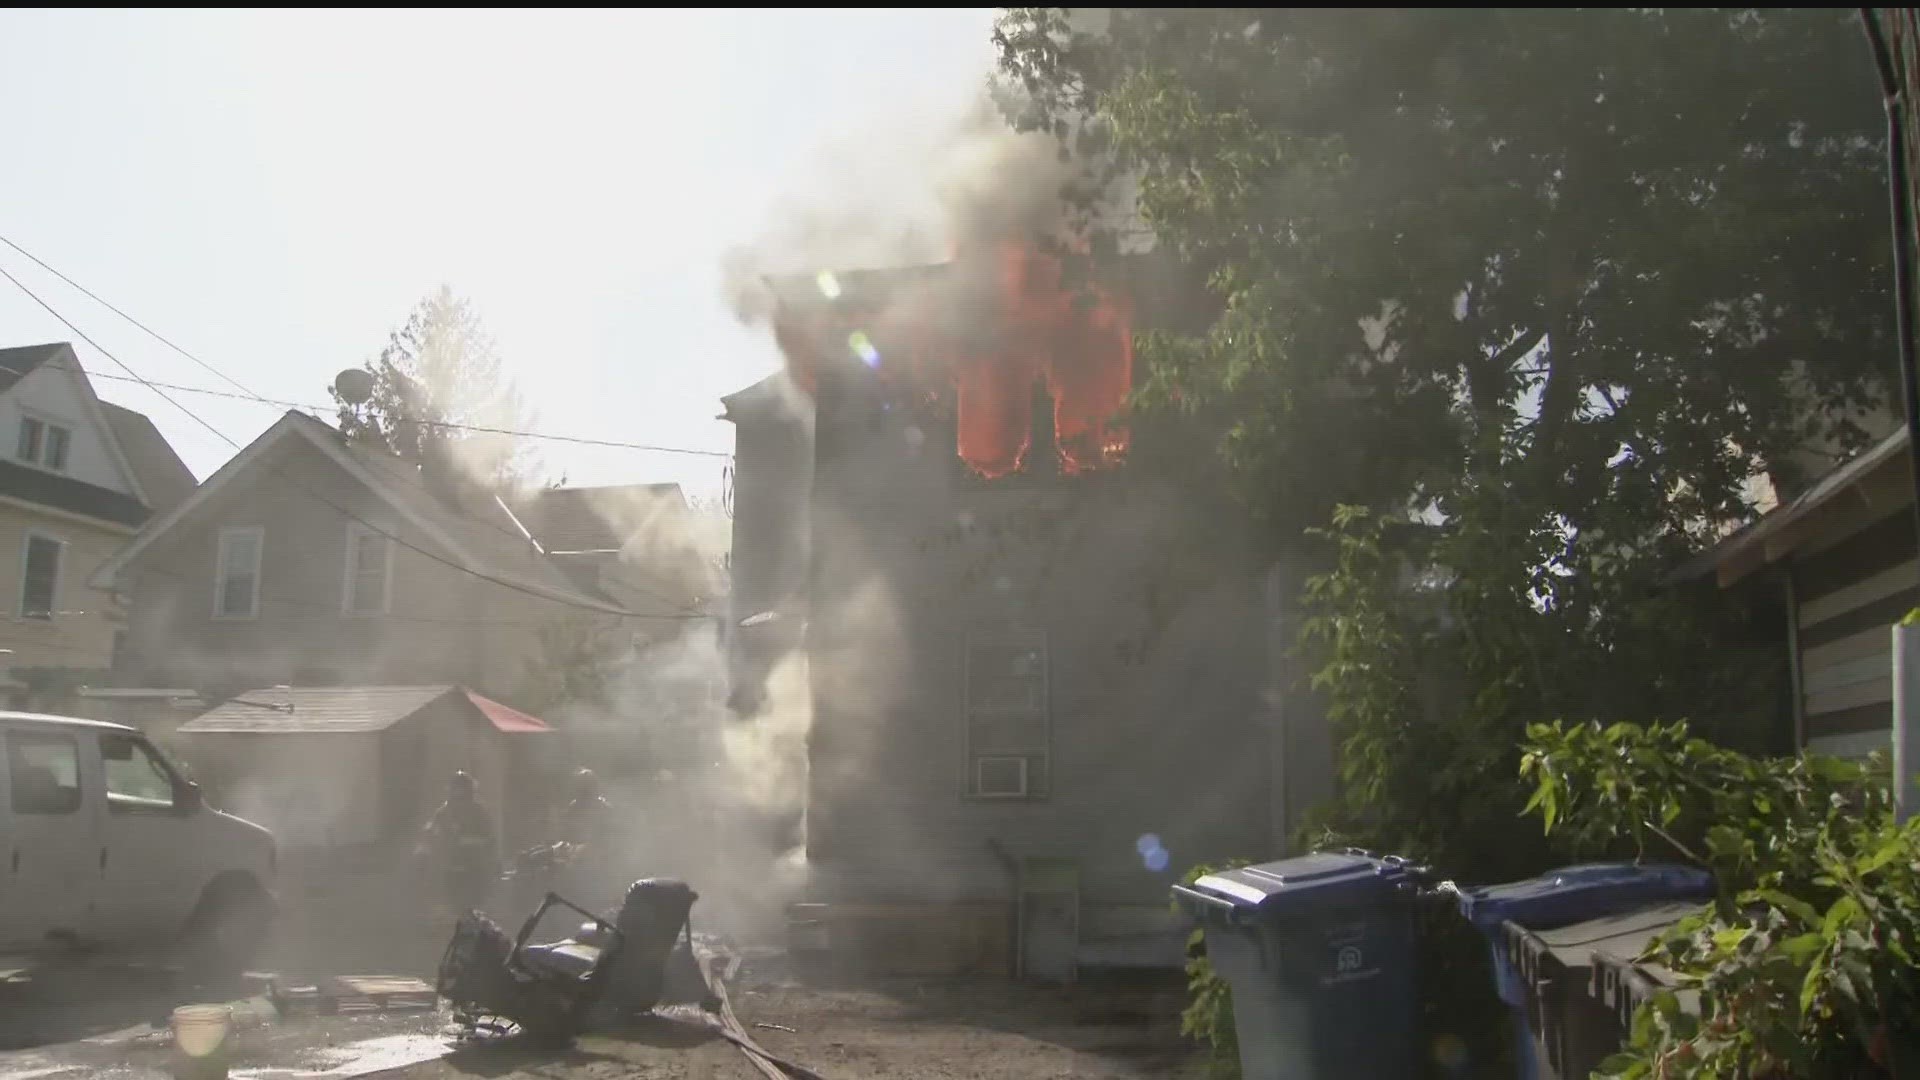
<point x="51" y="393"/>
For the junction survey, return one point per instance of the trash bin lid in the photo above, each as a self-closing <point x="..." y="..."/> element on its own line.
<point x="1623" y="936"/>
<point x="1277" y="890"/>
<point x="1576" y="893"/>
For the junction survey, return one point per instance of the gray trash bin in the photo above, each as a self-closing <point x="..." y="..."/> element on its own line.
<point x="1319" y="954"/>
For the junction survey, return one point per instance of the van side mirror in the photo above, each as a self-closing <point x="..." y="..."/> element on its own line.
<point x="187" y="797"/>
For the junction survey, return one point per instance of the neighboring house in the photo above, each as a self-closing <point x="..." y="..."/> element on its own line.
<point x="1038" y="696"/>
<point x="78" y="478"/>
<point x="333" y="767"/>
<point x="307" y="560"/>
<point x="1842" y="553"/>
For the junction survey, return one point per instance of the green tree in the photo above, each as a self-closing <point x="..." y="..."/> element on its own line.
<point x="438" y="386"/>
<point x="1520" y="300"/>
<point x="1557" y="282"/>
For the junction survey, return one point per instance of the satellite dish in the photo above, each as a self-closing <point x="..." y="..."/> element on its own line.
<point x="354" y="385"/>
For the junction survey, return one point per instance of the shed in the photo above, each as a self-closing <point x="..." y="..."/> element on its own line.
<point x="1844" y="552"/>
<point x="338" y="766"/>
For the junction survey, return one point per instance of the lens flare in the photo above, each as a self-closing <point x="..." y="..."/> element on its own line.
<point x="829" y="285"/>
<point x="863" y="348"/>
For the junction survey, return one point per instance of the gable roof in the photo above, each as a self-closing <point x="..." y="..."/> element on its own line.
<point x="311" y="710"/>
<point x="19" y="362"/>
<point x="162" y="475"/>
<point x="486" y="548"/>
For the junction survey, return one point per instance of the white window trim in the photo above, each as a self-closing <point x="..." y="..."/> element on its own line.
<point x="227" y="534"/>
<point x="355" y="532"/>
<point x="47" y="423"/>
<point x="59" y="567"/>
<point x="1044" y="751"/>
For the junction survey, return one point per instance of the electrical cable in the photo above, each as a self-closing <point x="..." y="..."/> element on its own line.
<point x="229" y="440"/>
<point x="249" y="395"/>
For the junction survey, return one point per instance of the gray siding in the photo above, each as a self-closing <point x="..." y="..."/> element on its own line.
<point x="1849" y="592"/>
<point x="444" y="625"/>
<point x="1156" y="623"/>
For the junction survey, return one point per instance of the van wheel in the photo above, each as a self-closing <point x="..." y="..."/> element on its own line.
<point x="226" y="931"/>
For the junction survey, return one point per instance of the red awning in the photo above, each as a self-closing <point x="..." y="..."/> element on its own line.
<point x="505" y="718"/>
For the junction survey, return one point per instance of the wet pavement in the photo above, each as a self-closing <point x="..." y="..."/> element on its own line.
<point x="113" y="1022"/>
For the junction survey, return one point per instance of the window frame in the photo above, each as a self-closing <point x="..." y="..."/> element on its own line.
<point x="120" y="803"/>
<point x="226" y="536"/>
<point x="12" y="740"/>
<point x="37" y="428"/>
<point x="1040" y="751"/>
<point x="350" y="571"/>
<point x="65" y="442"/>
<point x="42" y="427"/>
<point x="26" y="562"/>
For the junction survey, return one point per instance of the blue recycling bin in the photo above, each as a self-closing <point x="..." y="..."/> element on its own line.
<point x="1319" y="952"/>
<point x="1573" y="894"/>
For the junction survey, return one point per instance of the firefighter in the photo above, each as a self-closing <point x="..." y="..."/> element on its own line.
<point x="460" y="840"/>
<point x="587" y="812"/>
<point x="587" y="825"/>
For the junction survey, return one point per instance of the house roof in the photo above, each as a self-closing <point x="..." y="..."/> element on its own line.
<point x="595" y="518"/>
<point x="66" y="493"/>
<point x="476" y="532"/>
<point x="19" y="362"/>
<point x="310" y="710"/>
<point x="163" y="476"/>
<point x="74" y="496"/>
<point x="1765" y="540"/>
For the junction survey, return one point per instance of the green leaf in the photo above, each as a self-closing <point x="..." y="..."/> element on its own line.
<point x="1844" y="910"/>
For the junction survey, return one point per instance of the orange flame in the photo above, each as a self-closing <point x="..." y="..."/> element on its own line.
<point x="1082" y="350"/>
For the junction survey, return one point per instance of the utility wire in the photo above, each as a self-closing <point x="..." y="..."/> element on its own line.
<point x="153" y="385"/>
<point x="248" y="395"/>
<point x="229" y="440"/>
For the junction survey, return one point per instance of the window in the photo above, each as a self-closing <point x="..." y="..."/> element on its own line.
<point x="55" y="457"/>
<point x="136" y="777"/>
<point x="43" y="444"/>
<point x="39" y="576"/>
<point x="236" y="579"/>
<point x="1007" y="716"/>
<point x="45" y="773"/>
<point x="369" y="558"/>
<point x="33" y="436"/>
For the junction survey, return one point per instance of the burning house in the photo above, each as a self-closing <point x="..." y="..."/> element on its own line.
<point x="1043" y="680"/>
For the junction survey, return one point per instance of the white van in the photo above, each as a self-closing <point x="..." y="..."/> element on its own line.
<point x="105" y="845"/>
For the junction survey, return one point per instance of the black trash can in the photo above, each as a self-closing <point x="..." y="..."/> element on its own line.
<point x="1534" y="971"/>
<point x="1572" y="1030"/>
<point x="1319" y="954"/>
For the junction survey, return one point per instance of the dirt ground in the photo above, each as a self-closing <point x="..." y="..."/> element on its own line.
<point x="975" y="1031"/>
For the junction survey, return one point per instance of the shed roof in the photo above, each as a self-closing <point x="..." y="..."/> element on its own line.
<point x="334" y="709"/>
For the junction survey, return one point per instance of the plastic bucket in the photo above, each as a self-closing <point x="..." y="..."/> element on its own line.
<point x="202" y="1041"/>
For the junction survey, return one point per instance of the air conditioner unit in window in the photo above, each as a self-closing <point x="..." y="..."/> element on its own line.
<point x="1000" y="777"/>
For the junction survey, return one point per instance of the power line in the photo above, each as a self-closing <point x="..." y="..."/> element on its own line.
<point x="435" y="556"/>
<point x="134" y="376"/>
<point x="248" y="395"/>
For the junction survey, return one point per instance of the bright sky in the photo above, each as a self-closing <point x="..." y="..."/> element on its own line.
<point x="274" y="191"/>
